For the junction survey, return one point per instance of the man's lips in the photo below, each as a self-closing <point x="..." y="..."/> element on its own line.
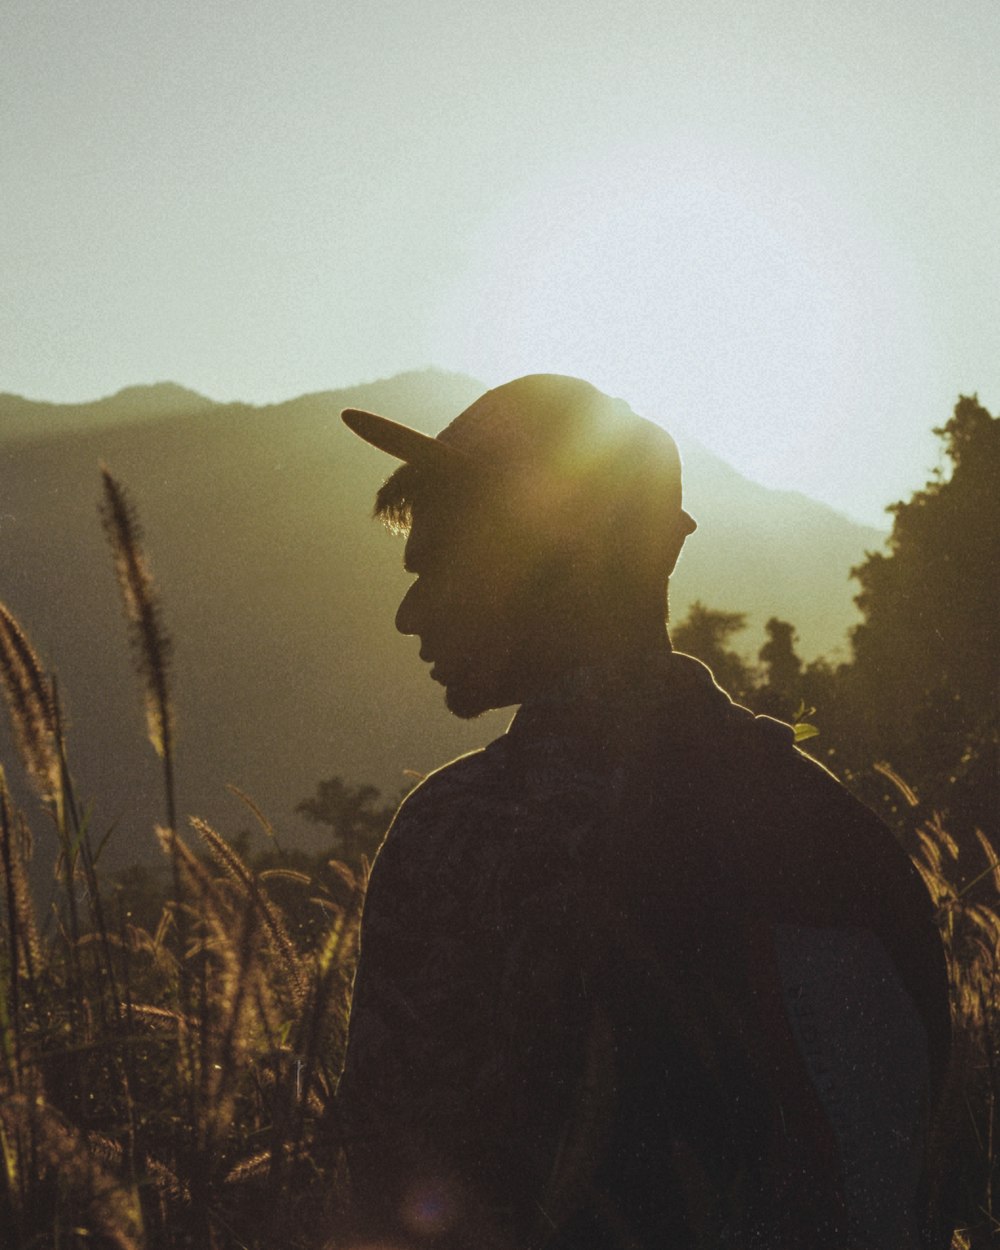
<point x="434" y="673"/>
<point x="441" y="671"/>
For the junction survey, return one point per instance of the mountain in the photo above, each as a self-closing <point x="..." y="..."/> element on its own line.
<point x="31" y="418"/>
<point x="279" y="591"/>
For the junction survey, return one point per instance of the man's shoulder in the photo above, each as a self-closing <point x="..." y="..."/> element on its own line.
<point x="445" y="801"/>
<point x="484" y="812"/>
<point x="453" y="783"/>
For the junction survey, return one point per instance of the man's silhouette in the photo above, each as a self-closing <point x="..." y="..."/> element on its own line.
<point x="639" y="974"/>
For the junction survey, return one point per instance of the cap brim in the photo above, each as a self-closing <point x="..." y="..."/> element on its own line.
<point x="401" y="441"/>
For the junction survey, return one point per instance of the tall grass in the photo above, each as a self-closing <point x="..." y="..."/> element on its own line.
<point x="172" y="1084"/>
<point x="165" y="1086"/>
<point x="151" y="646"/>
<point x="970" y="925"/>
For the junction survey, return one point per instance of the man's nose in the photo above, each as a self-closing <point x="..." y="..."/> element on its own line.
<point x="406" y="613"/>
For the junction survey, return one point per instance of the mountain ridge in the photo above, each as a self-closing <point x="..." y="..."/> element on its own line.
<point x="20" y="418"/>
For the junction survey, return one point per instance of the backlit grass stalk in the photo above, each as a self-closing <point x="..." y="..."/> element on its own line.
<point x="15" y="853"/>
<point x="151" y="651"/>
<point x="79" y="847"/>
<point x="228" y="925"/>
<point x="35" y="717"/>
<point x="325" y="1014"/>
<point x="10" y="1001"/>
<point x="970" y="931"/>
<point x="35" y="722"/>
<point x="151" y="645"/>
<point x="257" y="898"/>
<point x="30" y="703"/>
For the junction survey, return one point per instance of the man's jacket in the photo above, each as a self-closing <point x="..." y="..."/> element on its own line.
<point x="642" y="974"/>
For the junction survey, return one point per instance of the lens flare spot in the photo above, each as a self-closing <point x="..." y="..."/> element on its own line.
<point x="430" y="1208"/>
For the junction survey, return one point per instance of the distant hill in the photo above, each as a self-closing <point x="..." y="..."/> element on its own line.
<point x="31" y="418"/>
<point x="280" y="592"/>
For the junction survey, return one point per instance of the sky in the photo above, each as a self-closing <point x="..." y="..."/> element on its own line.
<point x="773" y="225"/>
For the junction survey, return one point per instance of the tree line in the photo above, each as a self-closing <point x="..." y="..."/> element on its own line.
<point x="919" y="696"/>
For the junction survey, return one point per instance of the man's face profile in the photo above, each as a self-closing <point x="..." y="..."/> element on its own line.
<point x="543" y="523"/>
<point x="468" y="606"/>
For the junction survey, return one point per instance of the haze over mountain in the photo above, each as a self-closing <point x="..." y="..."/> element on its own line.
<point x="279" y="591"/>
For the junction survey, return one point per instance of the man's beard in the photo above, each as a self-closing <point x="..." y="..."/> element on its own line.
<point x="468" y="699"/>
<point x="465" y="702"/>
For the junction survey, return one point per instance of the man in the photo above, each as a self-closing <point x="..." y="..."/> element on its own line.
<point x="640" y="973"/>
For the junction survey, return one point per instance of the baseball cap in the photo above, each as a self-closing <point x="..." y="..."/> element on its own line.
<point x="554" y="429"/>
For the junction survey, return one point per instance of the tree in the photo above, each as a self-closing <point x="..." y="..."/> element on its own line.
<point x="356" y="814"/>
<point x="781" y="693"/>
<point x="705" y="633"/>
<point x="925" y="677"/>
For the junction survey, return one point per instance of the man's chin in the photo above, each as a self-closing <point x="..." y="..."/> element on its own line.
<point x="467" y="701"/>
<point x="464" y="703"/>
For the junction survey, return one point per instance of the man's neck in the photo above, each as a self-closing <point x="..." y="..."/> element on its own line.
<point x="596" y="662"/>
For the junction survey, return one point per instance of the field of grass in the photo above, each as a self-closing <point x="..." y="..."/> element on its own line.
<point x="169" y="1081"/>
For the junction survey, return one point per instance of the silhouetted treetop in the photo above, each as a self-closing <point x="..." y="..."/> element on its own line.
<point x="355" y="814"/>
<point x="705" y="633"/>
<point x="927" y="655"/>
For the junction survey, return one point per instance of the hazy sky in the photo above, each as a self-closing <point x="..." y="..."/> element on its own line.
<point x="772" y="222"/>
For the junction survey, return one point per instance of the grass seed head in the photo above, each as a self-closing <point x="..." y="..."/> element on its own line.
<point x="30" y="703"/>
<point x="150" y="643"/>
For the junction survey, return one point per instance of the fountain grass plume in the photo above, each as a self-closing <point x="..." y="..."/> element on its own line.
<point x="29" y="700"/>
<point x="151" y="645"/>
<point x="256" y="896"/>
<point x="24" y="944"/>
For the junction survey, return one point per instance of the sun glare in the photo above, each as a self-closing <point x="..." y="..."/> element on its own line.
<point x="745" y="306"/>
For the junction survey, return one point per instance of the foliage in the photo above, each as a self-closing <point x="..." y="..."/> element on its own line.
<point x="922" y="689"/>
<point x="705" y="633"/>
<point x="925" y="675"/>
<point x="356" y="816"/>
<point x="777" y="687"/>
<point x="781" y="690"/>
